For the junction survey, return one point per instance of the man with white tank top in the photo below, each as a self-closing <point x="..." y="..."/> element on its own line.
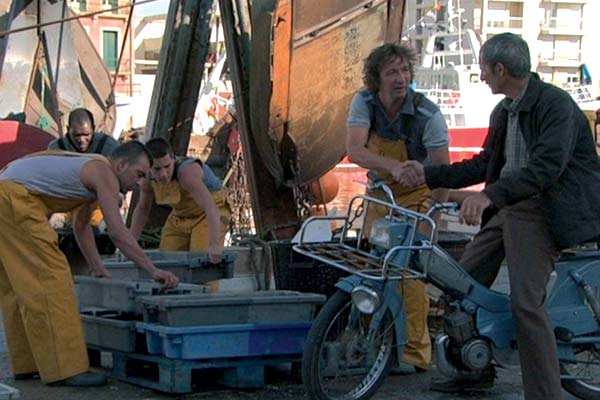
<point x="43" y="329"/>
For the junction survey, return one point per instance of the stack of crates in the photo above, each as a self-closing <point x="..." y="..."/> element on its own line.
<point x="109" y="307"/>
<point x="170" y="335"/>
<point x="223" y="325"/>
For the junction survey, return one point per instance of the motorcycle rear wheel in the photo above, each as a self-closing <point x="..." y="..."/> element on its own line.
<point x="588" y="368"/>
<point x="339" y="360"/>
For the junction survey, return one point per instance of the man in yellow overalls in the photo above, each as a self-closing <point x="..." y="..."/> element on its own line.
<point x="200" y="212"/>
<point x="388" y="124"/>
<point x="39" y="309"/>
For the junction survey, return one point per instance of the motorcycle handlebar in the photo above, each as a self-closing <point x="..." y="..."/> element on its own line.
<point x="375" y="183"/>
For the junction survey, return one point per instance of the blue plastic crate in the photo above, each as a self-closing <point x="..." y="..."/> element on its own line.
<point x="221" y="341"/>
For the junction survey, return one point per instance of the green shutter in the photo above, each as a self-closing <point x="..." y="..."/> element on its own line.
<point x="109" y="48"/>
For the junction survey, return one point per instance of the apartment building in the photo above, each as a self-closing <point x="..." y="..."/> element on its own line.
<point x="107" y="32"/>
<point x="560" y="33"/>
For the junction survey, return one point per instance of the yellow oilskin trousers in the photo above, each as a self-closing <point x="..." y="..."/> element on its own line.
<point x="417" y="350"/>
<point x="41" y="319"/>
<point x="186" y="227"/>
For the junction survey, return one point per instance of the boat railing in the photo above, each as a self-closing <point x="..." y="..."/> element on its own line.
<point x="579" y="93"/>
<point x="444" y="98"/>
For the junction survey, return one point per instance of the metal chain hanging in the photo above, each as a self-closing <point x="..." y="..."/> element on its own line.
<point x="236" y="183"/>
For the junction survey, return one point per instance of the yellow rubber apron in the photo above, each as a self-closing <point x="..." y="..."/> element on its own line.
<point x="41" y="320"/>
<point x="417" y="350"/>
<point x="186" y="227"/>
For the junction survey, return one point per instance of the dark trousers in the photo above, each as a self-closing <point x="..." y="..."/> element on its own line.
<point x="520" y="234"/>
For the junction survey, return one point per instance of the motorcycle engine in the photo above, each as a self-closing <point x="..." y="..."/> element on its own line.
<point x="459" y="326"/>
<point x="466" y="350"/>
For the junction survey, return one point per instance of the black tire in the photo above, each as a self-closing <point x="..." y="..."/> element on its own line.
<point x="588" y="368"/>
<point x="331" y="363"/>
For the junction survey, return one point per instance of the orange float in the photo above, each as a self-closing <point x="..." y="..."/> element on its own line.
<point x="325" y="188"/>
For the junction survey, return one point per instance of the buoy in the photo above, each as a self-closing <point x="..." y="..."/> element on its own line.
<point x="325" y="188"/>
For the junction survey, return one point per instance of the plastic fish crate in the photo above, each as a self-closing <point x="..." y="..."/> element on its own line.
<point x="8" y="392"/>
<point x="191" y="267"/>
<point x="111" y="330"/>
<point x="221" y="341"/>
<point x="121" y="295"/>
<point x="230" y="308"/>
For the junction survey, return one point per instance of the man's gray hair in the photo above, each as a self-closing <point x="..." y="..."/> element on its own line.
<point x="509" y="50"/>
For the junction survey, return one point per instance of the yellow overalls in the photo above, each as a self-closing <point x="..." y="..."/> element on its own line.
<point x="39" y="308"/>
<point x="416" y="301"/>
<point x="186" y="227"/>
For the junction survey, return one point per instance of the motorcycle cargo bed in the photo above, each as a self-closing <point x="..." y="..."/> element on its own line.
<point x="231" y="308"/>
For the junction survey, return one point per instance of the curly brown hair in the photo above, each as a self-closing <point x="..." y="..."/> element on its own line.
<point x="380" y="56"/>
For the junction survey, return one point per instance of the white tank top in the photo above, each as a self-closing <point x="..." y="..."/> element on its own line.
<point x="52" y="175"/>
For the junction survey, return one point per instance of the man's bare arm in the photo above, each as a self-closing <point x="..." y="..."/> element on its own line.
<point x="190" y="179"/>
<point x="142" y="209"/>
<point x="100" y="178"/>
<point x="86" y="241"/>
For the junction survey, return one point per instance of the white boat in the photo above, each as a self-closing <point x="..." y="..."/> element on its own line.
<point x="449" y="75"/>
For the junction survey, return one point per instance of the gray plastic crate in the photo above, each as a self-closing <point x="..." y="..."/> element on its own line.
<point x="231" y="308"/>
<point x="110" y="330"/>
<point x="8" y="392"/>
<point x="120" y="295"/>
<point x="191" y="267"/>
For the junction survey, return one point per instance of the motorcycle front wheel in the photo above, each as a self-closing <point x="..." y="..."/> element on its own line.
<point x="345" y="357"/>
<point x="586" y="371"/>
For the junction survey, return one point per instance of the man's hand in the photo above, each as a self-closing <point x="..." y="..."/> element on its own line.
<point x="215" y="253"/>
<point x="409" y="173"/>
<point x="472" y="209"/>
<point x="167" y="279"/>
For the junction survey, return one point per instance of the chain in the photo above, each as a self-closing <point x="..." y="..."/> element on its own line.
<point x="236" y="184"/>
<point x="302" y="198"/>
<point x="357" y="214"/>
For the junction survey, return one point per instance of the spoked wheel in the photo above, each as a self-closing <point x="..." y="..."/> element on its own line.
<point x="344" y="357"/>
<point x="586" y="370"/>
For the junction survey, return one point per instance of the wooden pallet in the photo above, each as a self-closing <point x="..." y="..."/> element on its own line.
<point x="185" y="376"/>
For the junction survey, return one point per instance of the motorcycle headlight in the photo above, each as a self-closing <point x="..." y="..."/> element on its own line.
<point x="366" y="299"/>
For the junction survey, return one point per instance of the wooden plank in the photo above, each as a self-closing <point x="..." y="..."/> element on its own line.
<point x="192" y="77"/>
<point x="273" y="208"/>
<point x="282" y="46"/>
<point x="259" y="84"/>
<point x="394" y="20"/>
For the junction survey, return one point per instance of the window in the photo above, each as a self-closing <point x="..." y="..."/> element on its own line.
<point x="109" y="49"/>
<point x="108" y="4"/>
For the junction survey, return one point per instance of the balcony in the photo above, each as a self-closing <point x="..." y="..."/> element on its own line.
<point x="565" y="59"/>
<point x="566" y="27"/>
<point x="514" y="24"/>
<point x="567" y="1"/>
<point x="87" y="6"/>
